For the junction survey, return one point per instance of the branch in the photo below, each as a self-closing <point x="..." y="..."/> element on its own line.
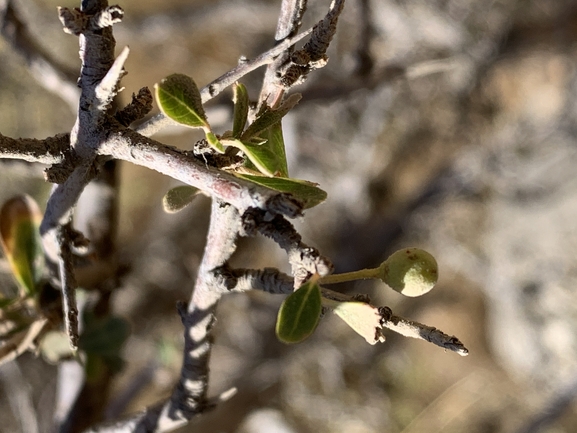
<point x="313" y="55"/>
<point x="269" y="280"/>
<point x="189" y="397"/>
<point x="408" y="328"/>
<point x="384" y="318"/>
<point x="51" y="150"/>
<point x="99" y="75"/>
<point x="139" y="107"/>
<point x="273" y="281"/>
<point x="68" y="283"/>
<point x="130" y="146"/>
<point x="21" y="341"/>
<point x="59" y="208"/>
<point x="304" y="260"/>
<point x="289" y="21"/>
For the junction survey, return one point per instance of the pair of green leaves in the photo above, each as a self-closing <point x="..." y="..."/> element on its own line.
<point x="179" y="98"/>
<point x="262" y="141"/>
<point x="300" y="312"/>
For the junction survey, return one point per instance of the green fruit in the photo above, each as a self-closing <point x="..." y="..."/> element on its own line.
<point x="410" y="271"/>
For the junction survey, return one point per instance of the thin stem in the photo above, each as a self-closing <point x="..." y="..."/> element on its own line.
<point x="68" y="283"/>
<point x="363" y="274"/>
<point x="385" y="318"/>
<point x="409" y="328"/>
<point x="289" y="21"/>
<point x="189" y="397"/>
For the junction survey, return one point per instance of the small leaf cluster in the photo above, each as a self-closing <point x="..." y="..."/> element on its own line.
<point x="261" y="142"/>
<point x="410" y="271"/>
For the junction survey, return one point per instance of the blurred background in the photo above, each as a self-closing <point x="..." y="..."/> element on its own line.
<point x="448" y="124"/>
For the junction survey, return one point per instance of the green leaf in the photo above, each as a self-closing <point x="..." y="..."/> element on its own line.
<point x="179" y="99"/>
<point x="103" y="336"/>
<point x="299" y="314"/>
<point x="263" y="159"/>
<point x="20" y="238"/>
<point x="275" y="143"/>
<point x="214" y="142"/>
<point x="241" y="105"/>
<point x="269" y="117"/>
<point x="178" y="198"/>
<point x="306" y="192"/>
<point x="363" y="318"/>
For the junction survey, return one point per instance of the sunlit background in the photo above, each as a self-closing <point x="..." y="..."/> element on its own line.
<point x="448" y="124"/>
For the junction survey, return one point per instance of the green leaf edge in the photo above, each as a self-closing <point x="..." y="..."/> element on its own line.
<point x="269" y="117"/>
<point x="314" y="197"/>
<point x="310" y="292"/>
<point x="275" y="142"/>
<point x="181" y="90"/>
<point x="241" y="106"/>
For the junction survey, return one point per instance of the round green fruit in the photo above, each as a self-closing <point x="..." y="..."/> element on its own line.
<point x="410" y="271"/>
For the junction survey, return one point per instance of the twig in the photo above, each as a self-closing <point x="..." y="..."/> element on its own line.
<point x="269" y="280"/>
<point x="313" y="55"/>
<point x="68" y="284"/>
<point x="408" y="328"/>
<point x="21" y="342"/>
<point x="96" y="216"/>
<point x="400" y="325"/>
<point x="98" y="73"/>
<point x="51" y="150"/>
<point x="130" y="146"/>
<point x="59" y="208"/>
<point x="98" y="78"/>
<point x="289" y="22"/>
<point x="304" y="260"/>
<point x="139" y="107"/>
<point x="190" y="396"/>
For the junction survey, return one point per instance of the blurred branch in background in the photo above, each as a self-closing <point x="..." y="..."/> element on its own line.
<point x="55" y="77"/>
